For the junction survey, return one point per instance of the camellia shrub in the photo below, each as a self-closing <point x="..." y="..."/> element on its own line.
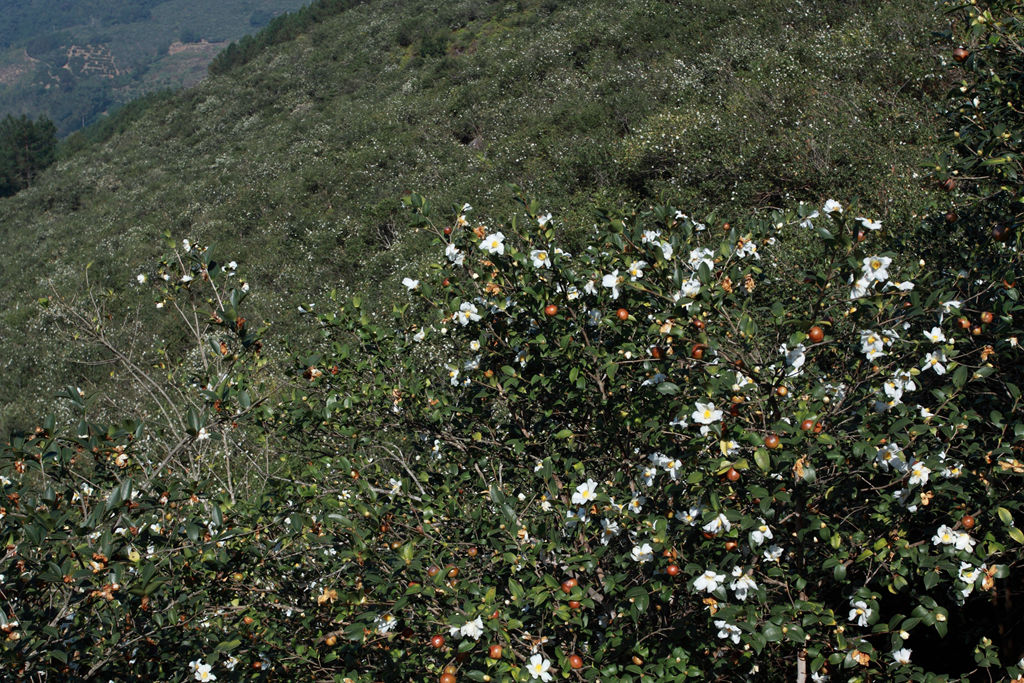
<point x="689" y="451"/>
<point x="765" y="450"/>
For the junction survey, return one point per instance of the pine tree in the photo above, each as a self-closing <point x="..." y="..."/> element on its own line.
<point x="26" y="148"/>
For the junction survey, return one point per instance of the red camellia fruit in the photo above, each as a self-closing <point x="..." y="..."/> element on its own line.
<point x="453" y="571"/>
<point x="576" y="662"/>
<point x="432" y="570"/>
<point x="494" y="652"/>
<point x="437" y="641"/>
<point x="771" y="441"/>
<point x="698" y="351"/>
<point x="622" y="314"/>
<point x="781" y="391"/>
<point x="949" y="185"/>
<point x="987" y="317"/>
<point x="568" y="585"/>
<point x="816" y="334"/>
<point x="731" y="545"/>
<point x="967" y="521"/>
<point x="964" y="323"/>
<point x="656" y="353"/>
<point x="450" y="669"/>
<point x="672" y="570"/>
<point x="445" y="282"/>
<point x="960" y="55"/>
<point x="407" y="632"/>
<point x="951" y="217"/>
<point x="447" y="678"/>
<point x="819" y="427"/>
<point x="472" y="552"/>
<point x="732" y="474"/>
<point x="976" y="330"/>
<point x="550" y="310"/>
<point x="1001" y="233"/>
<point x="574" y="604"/>
<point x="807" y="425"/>
<point x="448" y="230"/>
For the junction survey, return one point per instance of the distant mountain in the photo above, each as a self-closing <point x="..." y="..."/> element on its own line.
<point x="75" y="61"/>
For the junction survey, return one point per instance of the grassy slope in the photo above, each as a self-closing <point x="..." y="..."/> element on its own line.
<point x="294" y="164"/>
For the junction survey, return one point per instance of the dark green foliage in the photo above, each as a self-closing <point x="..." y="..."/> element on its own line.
<point x="26" y="148"/>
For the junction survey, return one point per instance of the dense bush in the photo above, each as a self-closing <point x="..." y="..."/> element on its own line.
<point x="758" y="450"/>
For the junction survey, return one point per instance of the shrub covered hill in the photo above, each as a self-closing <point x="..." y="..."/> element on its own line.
<point x="294" y="158"/>
<point x="637" y="415"/>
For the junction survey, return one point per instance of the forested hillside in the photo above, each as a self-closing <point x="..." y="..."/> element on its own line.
<point x="296" y="161"/>
<point x="76" y="61"/>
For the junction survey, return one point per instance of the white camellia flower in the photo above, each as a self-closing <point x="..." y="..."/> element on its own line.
<point x="773" y="553"/>
<point x="543" y="220"/>
<point x="410" y="283"/>
<point x="806" y="223"/>
<point x="609" y="530"/>
<point x="186" y="245"/>
<point x="473" y="629"/>
<point x="636" y="504"/>
<point x="385" y="623"/>
<point x="760" y="534"/>
<point x="860" y="612"/>
<point x="935" y="336"/>
<point x="636" y="270"/>
<point x="612" y="282"/>
<point x="642" y="553"/>
<point x="709" y="581"/>
<point x="648" y="474"/>
<point x="585" y="493"/>
<point x="702" y="256"/>
<point x="540" y="258"/>
<point x="743" y="584"/>
<point x="650" y="236"/>
<point x="203" y="673"/>
<point x="876" y="268"/>
<point x="860" y="289"/>
<point x="728" y="631"/>
<point x="717" y="524"/>
<point x="919" y="473"/>
<point x="891" y="455"/>
<point x="420" y="336"/>
<point x="963" y="541"/>
<point x="706" y="414"/>
<point x="832" y="206"/>
<point x="467" y="313"/>
<point x="872" y="345"/>
<point x="455" y="255"/>
<point x="749" y="248"/>
<point x="795" y="359"/>
<point x="538" y="668"/>
<point x="944" y="536"/>
<point x="493" y="244"/>
<point x="901" y="656"/>
<point x="590" y="287"/>
<point x="948" y="306"/>
<point x="666" y="250"/>
<point x="141" y="278"/>
<point x="934" y="361"/>
<point x="869" y="224"/>
<point x="691" y="288"/>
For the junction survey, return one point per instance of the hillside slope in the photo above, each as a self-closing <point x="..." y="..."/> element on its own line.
<point x="294" y="164"/>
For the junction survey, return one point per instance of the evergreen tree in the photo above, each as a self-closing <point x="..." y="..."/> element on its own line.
<point x="26" y="148"/>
